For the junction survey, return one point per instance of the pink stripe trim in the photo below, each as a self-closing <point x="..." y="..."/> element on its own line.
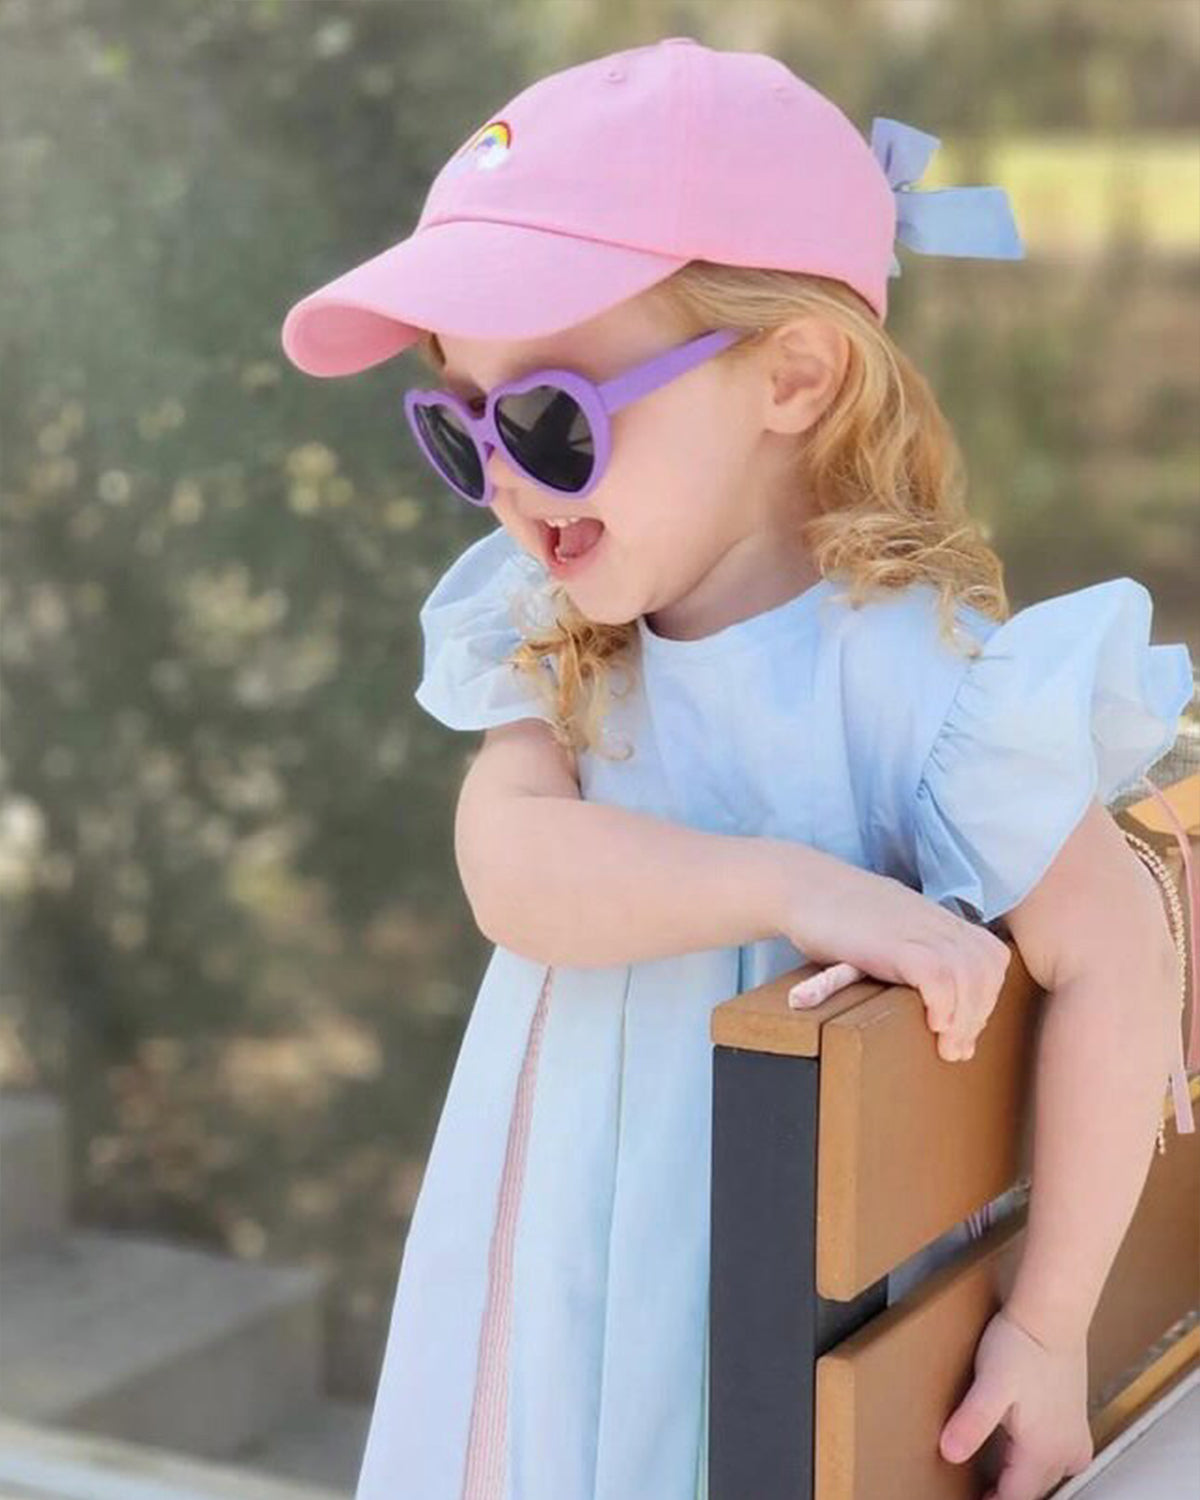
<point x="487" y="1445"/>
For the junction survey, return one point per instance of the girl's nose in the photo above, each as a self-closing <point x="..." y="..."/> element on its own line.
<point x="504" y="476"/>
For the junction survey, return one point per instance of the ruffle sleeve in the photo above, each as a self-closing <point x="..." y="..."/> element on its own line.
<point x="1067" y="701"/>
<point x="469" y="625"/>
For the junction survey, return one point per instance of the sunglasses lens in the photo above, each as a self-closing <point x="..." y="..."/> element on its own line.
<point x="547" y="432"/>
<point x="451" y="447"/>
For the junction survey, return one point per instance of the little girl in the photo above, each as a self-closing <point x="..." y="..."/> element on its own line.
<point x="653" y="289"/>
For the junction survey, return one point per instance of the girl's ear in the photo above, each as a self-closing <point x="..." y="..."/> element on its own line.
<point x="804" y="363"/>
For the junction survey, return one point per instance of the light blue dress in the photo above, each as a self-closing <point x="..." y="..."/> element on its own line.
<point x="856" y="731"/>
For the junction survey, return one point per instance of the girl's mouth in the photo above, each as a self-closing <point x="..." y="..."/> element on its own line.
<point x="566" y="551"/>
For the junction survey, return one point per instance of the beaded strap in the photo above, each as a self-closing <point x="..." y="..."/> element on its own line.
<point x="1179" y="933"/>
<point x="1154" y="863"/>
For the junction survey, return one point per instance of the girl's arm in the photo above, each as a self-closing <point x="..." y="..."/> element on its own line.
<point x="566" y="881"/>
<point x="1094" y="934"/>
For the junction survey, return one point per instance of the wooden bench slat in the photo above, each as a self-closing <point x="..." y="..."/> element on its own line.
<point x="848" y="1132"/>
<point x="868" y="1443"/>
<point x="910" y="1144"/>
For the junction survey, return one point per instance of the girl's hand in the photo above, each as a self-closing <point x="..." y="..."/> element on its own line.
<point x="1039" y="1394"/>
<point x="862" y="923"/>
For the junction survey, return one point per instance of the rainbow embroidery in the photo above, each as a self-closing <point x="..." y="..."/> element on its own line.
<point x="486" y="150"/>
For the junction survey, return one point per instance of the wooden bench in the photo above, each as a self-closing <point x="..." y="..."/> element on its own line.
<point x="843" y="1146"/>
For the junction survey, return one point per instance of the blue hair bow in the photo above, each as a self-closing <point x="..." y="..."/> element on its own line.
<point x="948" y="221"/>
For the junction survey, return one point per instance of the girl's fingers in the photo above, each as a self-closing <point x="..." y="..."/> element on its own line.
<point x="818" y="987"/>
<point x="942" y="1012"/>
<point x="943" y="984"/>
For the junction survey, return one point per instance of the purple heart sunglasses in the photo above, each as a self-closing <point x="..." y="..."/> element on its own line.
<point x="552" y="425"/>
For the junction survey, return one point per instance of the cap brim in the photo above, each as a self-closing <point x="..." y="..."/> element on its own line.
<point x="471" y="278"/>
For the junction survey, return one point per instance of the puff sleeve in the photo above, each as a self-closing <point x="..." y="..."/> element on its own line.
<point x="469" y="626"/>
<point x="1067" y="701"/>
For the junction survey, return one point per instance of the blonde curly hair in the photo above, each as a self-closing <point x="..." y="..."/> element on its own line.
<point x="881" y="469"/>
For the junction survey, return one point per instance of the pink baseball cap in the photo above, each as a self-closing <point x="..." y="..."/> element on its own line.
<point x="598" y="181"/>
